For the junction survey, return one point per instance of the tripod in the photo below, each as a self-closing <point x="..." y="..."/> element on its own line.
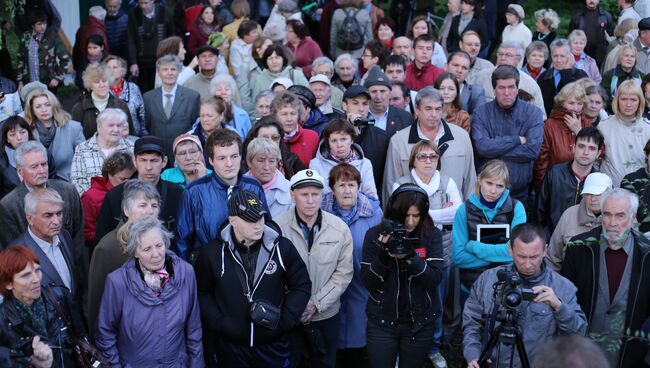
<point x="507" y="333"/>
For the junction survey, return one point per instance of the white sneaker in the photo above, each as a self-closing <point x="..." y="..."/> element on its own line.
<point x="438" y="360"/>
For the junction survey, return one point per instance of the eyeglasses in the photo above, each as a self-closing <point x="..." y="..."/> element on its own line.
<point x="423" y="157"/>
<point x="273" y="137"/>
<point x="190" y="153"/>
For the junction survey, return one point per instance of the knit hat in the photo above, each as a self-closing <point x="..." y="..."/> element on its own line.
<point x="517" y="10"/>
<point x="304" y="94"/>
<point x="245" y="205"/>
<point x="377" y="78"/>
<point x="186" y="138"/>
<point x="307" y="178"/>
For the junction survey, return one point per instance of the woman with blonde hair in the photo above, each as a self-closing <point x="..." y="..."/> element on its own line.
<point x="54" y="128"/>
<point x="128" y="92"/>
<point x="97" y="79"/>
<point x="578" y="42"/>
<point x="625" y="70"/>
<point x="546" y="23"/>
<point x="625" y="132"/>
<point x="491" y="203"/>
<point x="560" y="129"/>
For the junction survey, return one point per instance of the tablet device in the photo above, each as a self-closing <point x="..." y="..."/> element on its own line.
<point x="493" y="233"/>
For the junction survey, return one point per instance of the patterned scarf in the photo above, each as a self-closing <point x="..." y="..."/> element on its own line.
<point x="353" y="156"/>
<point x="34" y="315"/>
<point x="156" y="280"/>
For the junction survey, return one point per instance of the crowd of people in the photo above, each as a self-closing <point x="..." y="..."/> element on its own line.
<point x="249" y="183"/>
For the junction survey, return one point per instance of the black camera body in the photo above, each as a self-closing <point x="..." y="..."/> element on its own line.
<point x="362" y="122"/>
<point x="398" y="244"/>
<point x="507" y="291"/>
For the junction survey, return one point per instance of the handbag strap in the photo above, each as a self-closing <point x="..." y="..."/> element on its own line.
<point x="49" y="295"/>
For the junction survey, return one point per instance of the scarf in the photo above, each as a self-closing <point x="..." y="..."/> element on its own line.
<point x="10" y="156"/>
<point x="118" y="88"/>
<point x="353" y="156"/>
<point x="206" y="28"/>
<point x="156" y="280"/>
<point x="433" y="184"/>
<point x="268" y="185"/>
<point x="34" y="315"/>
<point x="345" y="215"/>
<point x="45" y="134"/>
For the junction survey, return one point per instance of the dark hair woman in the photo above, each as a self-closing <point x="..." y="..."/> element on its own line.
<point x="402" y="280"/>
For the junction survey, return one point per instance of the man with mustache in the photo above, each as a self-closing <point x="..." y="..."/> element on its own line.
<point x="609" y="266"/>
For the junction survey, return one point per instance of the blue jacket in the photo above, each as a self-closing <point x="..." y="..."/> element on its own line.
<point x="495" y="135"/>
<point x="241" y="122"/>
<point x="204" y="207"/>
<point x="467" y="253"/>
<point x="316" y="121"/>
<point x="352" y="315"/>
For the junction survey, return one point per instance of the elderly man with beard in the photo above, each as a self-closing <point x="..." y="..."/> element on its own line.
<point x="609" y="266"/>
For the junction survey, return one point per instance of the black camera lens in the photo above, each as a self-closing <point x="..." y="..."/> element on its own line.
<point x="512" y="299"/>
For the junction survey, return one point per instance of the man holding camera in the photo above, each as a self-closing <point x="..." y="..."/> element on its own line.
<point x="553" y="309"/>
<point x="324" y="243"/>
<point x="253" y="288"/>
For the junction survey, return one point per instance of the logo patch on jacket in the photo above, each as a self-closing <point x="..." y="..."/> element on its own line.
<point x="421" y="252"/>
<point x="271" y="268"/>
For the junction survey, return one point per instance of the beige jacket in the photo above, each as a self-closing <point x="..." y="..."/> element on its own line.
<point x="329" y="262"/>
<point x="574" y="221"/>
<point x="624" y="142"/>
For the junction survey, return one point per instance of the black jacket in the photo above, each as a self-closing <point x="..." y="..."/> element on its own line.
<point x="477" y="24"/>
<point x="397" y="120"/>
<point x="638" y="182"/>
<point x="382" y="275"/>
<point x="582" y="267"/>
<point x="597" y="48"/>
<point x="374" y="143"/>
<point x="16" y="334"/>
<point x="111" y="212"/>
<point x="559" y="191"/>
<point x="281" y="278"/>
<point x="546" y="84"/>
<point x="9" y="176"/>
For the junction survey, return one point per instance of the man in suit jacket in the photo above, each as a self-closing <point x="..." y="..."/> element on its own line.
<point x="386" y="118"/>
<point x="170" y="110"/>
<point x="561" y="72"/>
<point x="47" y="238"/>
<point x="471" y="95"/>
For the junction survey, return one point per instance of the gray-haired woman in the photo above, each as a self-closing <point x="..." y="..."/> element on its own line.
<point x="140" y="200"/>
<point x="149" y="315"/>
<point x="263" y="158"/>
<point x="89" y="155"/>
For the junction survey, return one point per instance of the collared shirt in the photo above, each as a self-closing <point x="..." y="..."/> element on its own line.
<point x="55" y="255"/>
<point x="556" y="77"/>
<point x="327" y="108"/>
<point x="381" y="121"/>
<point x="441" y="132"/>
<point x="33" y="59"/>
<point x="165" y="93"/>
<point x="309" y="233"/>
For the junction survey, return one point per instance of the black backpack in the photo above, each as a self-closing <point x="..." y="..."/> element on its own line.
<point x="350" y="35"/>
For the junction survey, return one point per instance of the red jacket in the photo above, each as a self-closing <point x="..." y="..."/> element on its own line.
<point x="79" y="52"/>
<point x="305" y="53"/>
<point x="416" y="79"/>
<point x="91" y="201"/>
<point x="304" y="144"/>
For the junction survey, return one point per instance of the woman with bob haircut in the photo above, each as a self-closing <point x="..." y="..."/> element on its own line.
<point x="625" y="70"/>
<point x="490" y="203"/>
<point x="360" y="213"/>
<point x="276" y="64"/>
<point x="337" y="146"/>
<point x="402" y="282"/>
<point x="560" y="129"/>
<point x="625" y="132"/>
<point x="54" y="128"/>
<point x="30" y="326"/>
<point x="263" y="158"/>
<point x="536" y="55"/>
<point x="149" y="302"/>
<point x="97" y="79"/>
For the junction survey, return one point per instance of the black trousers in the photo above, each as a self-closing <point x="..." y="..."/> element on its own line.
<point x="228" y="355"/>
<point x="314" y="345"/>
<point x="386" y="343"/>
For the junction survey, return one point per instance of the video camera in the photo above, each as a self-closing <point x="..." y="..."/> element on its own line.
<point x="398" y="244"/>
<point x="362" y="122"/>
<point x="507" y="291"/>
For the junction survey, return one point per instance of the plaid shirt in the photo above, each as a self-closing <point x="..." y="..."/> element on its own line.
<point x="88" y="160"/>
<point x="32" y="59"/>
<point x="43" y="58"/>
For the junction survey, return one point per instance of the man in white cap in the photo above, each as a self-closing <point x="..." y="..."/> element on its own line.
<point x="324" y="243"/>
<point x="578" y="219"/>
<point x="321" y="86"/>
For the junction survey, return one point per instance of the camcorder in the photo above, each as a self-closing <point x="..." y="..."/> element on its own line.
<point x="507" y="291"/>
<point x="362" y="122"/>
<point x="398" y="244"/>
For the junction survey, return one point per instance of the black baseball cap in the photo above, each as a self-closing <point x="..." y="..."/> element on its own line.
<point x="245" y="205"/>
<point x="148" y="143"/>
<point x="206" y="47"/>
<point x="354" y="91"/>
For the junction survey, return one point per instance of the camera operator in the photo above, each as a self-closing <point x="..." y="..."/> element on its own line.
<point x="553" y="309"/>
<point x="402" y="276"/>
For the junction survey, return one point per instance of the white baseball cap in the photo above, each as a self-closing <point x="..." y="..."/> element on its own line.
<point x="596" y="184"/>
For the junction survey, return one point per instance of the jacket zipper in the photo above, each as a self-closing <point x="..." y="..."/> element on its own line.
<point x="593" y="287"/>
<point x="636" y="296"/>
<point x="397" y="298"/>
